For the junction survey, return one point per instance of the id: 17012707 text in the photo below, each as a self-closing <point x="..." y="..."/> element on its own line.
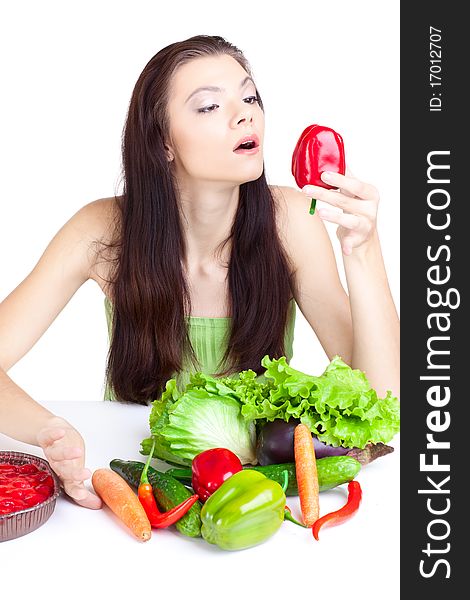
<point x="435" y="69"/>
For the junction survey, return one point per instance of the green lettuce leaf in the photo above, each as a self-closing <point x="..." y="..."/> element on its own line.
<point x="339" y="406"/>
<point x="158" y="418"/>
<point x="207" y="414"/>
<point x="199" y="421"/>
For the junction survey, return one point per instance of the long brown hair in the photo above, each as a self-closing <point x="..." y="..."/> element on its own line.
<point x="149" y="333"/>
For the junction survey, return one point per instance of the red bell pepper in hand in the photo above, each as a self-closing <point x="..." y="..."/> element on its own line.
<point x="344" y="513"/>
<point x="318" y="149"/>
<point x="211" y="468"/>
<point x="147" y="499"/>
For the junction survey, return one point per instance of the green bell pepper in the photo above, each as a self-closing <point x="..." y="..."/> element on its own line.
<point x="246" y="510"/>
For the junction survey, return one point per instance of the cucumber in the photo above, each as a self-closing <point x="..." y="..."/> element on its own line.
<point x="168" y="491"/>
<point x="183" y="475"/>
<point x="332" y="471"/>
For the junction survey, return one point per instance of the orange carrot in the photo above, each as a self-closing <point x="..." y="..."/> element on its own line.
<point x="306" y="473"/>
<point x="121" y="499"/>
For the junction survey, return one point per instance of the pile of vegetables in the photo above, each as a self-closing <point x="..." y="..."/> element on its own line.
<point x="218" y="499"/>
<point x="246" y="414"/>
<point x="247" y="442"/>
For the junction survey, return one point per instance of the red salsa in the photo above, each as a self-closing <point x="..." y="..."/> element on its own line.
<point x="23" y="486"/>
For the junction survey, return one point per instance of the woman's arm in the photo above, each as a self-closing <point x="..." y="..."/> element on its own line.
<point x="362" y="327"/>
<point x="26" y="420"/>
<point x="376" y="339"/>
<point x="25" y="314"/>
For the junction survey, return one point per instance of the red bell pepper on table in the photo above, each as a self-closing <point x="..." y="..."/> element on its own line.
<point x="344" y="513"/>
<point x="318" y="149"/>
<point x="211" y="468"/>
<point x="147" y="499"/>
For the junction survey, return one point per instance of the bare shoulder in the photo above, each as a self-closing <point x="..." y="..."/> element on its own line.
<point x="297" y="228"/>
<point x="288" y="199"/>
<point x="68" y="261"/>
<point x="97" y="219"/>
<point x="99" y="223"/>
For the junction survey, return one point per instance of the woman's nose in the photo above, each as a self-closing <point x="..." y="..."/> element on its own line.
<point x="244" y="116"/>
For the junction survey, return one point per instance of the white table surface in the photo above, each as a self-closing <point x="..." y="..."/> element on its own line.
<point x="81" y="553"/>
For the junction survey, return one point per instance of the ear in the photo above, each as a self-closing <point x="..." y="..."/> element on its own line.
<point x="169" y="153"/>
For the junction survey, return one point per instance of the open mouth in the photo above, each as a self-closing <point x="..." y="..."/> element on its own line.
<point x="250" y="142"/>
<point x="246" y="146"/>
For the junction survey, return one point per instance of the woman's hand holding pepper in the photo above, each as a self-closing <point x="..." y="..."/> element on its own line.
<point x="358" y="202"/>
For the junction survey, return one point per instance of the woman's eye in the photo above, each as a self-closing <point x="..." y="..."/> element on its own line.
<point x="212" y="107"/>
<point x="207" y="108"/>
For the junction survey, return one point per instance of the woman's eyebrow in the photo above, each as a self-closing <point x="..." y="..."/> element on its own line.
<point x="212" y="88"/>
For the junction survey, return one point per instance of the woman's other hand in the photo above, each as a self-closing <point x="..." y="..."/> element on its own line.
<point x="358" y="204"/>
<point x="64" y="449"/>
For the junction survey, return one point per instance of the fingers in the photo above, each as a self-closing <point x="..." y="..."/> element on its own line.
<point x="346" y="198"/>
<point x="348" y="173"/>
<point x="352" y="185"/>
<point x="333" y="198"/>
<point x="340" y="200"/>
<point x="357" y="203"/>
<point x="70" y="471"/>
<point x="343" y="219"/>
<point x="73" y="478"/>
<point x="60" y="453"/>
<point x="64" y="449"/>
<point x="77" y="475"/>
<point x="79" y="493"/>
<point x="347" y="244"/>
<point x="46" y="437"/>
<point x="349" y="186"/>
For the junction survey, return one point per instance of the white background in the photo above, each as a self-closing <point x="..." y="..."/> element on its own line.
<point x="68" y="71"/>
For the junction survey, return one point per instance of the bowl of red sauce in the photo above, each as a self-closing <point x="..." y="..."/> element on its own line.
<point x="28" y="492"/>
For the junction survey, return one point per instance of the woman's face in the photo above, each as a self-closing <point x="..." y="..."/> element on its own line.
<point x="206" y="125"/>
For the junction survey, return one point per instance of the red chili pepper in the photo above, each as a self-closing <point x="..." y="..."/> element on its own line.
<point x="147" y="499"/>
<point x="318" y="149"/>
<point x="344" y="513"/>
<point x="211" y="468"/>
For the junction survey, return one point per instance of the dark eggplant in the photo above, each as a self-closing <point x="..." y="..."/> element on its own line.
<point x="275" y="443"/>
<point x="322" y="449"/>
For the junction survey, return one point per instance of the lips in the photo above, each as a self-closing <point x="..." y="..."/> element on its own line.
<point x="248" y="142"/>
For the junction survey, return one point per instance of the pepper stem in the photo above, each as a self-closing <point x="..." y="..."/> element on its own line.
<point x="143" y="477"/>
<point x="288" y="517"/>
<point x="312" y="206"/>
<point x="287" y="514"/>
<point x="285" y="483"/>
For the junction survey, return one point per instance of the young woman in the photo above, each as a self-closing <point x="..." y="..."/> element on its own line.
<point x="200" y="260"/>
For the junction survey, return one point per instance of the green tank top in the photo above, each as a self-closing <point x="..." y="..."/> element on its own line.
<point x="209" y="337"/>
